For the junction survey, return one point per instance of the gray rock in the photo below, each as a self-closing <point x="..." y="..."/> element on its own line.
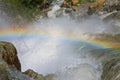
<point x="10" y="66"/>
<point x="13" y="74"/>
<point x="8" y="56"/>
<point x="51" y="77"/>
<point x="34" y="75"/>
<point x="106" y="7"/>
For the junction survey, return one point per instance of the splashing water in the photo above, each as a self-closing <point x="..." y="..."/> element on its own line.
<point x="58" y="45"/>
<point x="53" y="46"/>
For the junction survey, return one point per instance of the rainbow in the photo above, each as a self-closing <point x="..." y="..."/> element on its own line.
<point x="11" y="33"/>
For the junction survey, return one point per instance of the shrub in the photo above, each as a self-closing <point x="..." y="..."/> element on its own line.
<point x="19" y="10"/>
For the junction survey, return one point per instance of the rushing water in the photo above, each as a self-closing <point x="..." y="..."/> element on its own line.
<point x="54" y="45"/>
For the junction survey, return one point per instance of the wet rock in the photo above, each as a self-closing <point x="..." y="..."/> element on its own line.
<point x="110" y="63"/>
<point x="8" y="56"/>
<point x="82" y="11"/>
<point x="10" y="66"/>
<point x="73" y="4"/>
<point x="96" y="7"/>
<point x="101" y="7"/>
<point x="51" y="77"/>
<point x="34" y="75"/>
<point x="3" y="75"/>
<point x="111" y="5"/>
<point x="111" y="69"/>
<point x="37" y="76"/>
<point x="13" y="74"/>
<point x="112" y="15"/>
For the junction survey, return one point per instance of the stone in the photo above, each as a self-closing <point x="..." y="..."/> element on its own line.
<point x="3" y="75"/>
<point x="13" y="74"/>
<point x="73" y="4"/>
<point x="97" y="4"/>
<point x="51" y="77"/>
<point x="10" y="67"/>
<point x="8" y="56"/>
<point x="111" y="69"/>
<point x="101" y="7"/>
<point x="34" y="75"/>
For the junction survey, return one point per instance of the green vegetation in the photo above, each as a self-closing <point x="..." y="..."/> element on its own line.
<point x="32" y="3"/>
<point x="85" y="1"/>
<point x="20" y="10"/>
<point x="82" y="1"/>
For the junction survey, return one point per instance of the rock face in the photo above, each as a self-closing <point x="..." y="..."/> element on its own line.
<point x="37" y="76"/>
<point x="111" y="69"/>
<point x="10" y="66"/>
<point x="8" y="56"/>
<point x="111" y="63"/>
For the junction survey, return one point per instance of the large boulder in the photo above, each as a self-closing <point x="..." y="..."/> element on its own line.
<point x="34" y="75"/>
<point x="10" y="66"/>
<point x="8" y="56"/>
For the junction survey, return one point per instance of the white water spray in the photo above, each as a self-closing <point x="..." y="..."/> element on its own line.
<point x="49" y="53"/>
<point x="62" y="56"/>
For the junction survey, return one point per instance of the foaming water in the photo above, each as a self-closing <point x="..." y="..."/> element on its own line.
<point x="54" y="48"/>
<point x="55" y="45"/>
<point x="65" y="58"/>
<point x="65" y="25"/>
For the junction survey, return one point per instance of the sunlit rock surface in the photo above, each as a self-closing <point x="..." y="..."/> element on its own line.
<point x="10" y="66"/>
<point x="8" y="56"/>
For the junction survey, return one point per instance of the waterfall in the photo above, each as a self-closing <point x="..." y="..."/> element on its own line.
<point x="62" y="46"/>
